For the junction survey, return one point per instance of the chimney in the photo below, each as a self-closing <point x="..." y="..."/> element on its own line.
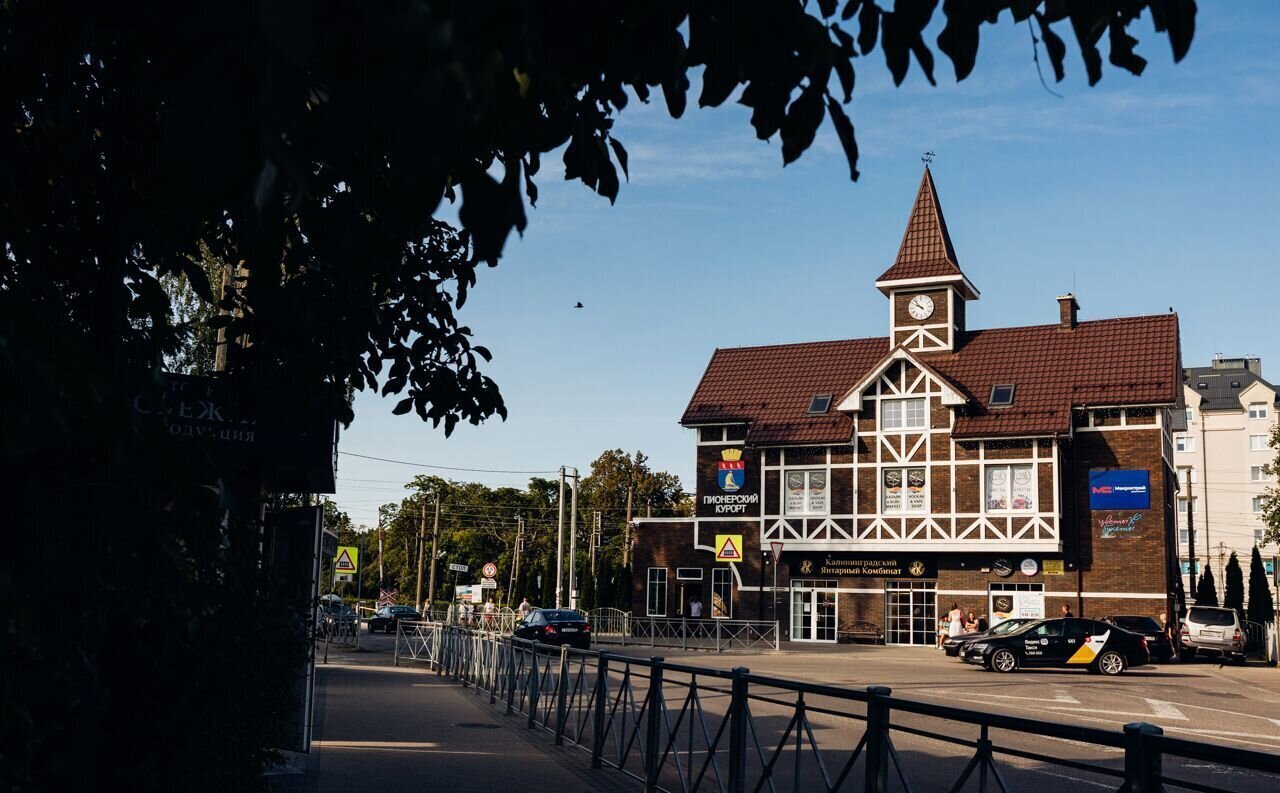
<point x="1068" y="308"/>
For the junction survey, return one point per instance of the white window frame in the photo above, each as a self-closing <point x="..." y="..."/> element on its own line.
<point x="688" y="573"/>
<point x="1182" y="475"/>
<point x="1008" y="467"/>
<point x="652" y="582"/>
<point x="1184" y="506"/>
<point x="900" y="422"/>
<point x="1258" y="410"/>
<point x="1256" y="474"/>
<point x="1184" y="443"/>
<point x="1257" y="443"/>
<point x="1256" y="505"/>
<point x="807" y="473"/>
<point x="721" y="577"/>
<point x="1184" y="537"/>
<point x="903" y="469"/>
<point x="1259" y="537"/>
<point x="1191" y="415"/>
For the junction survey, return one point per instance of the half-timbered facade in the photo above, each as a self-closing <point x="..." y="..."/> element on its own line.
<point x="895" y="475"/>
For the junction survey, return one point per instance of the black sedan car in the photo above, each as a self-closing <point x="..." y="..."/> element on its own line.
<point x="1096" y="646"/>
<point x="953" y="643"/>
<point x="386" y="618"/>
<point x="555" y="626"/>
<point x="1157" y="641"/>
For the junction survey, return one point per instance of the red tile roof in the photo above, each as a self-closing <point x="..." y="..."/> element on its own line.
<point x="926" y="250"/>
<point x="1125" y="361"/>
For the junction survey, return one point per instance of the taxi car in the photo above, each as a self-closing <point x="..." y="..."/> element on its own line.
<point x="1067" y="642"/>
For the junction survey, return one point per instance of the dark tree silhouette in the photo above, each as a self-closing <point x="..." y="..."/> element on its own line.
<point x="1261" y="605"/>
<point x="1233" y="595"/>
<point x="1207" y="590"/>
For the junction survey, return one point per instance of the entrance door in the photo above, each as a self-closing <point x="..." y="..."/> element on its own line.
<point x="911" y="612"/>
<point x="814" y="611"/>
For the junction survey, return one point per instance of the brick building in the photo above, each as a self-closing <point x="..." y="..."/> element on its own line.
<point x="1010" y="470"/>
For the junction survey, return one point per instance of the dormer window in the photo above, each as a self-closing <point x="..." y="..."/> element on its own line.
<point x="1235" y="383"/>
<point x="1001" y="395"/>
<point x="1202" y="385"/>
<point x="820" y="403"/>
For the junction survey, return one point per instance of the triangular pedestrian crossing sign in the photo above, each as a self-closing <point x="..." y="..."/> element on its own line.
<point x="343" y="562"/>
<point x="728" y="547"/>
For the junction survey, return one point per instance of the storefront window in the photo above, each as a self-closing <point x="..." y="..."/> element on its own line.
<point x="903" y="490"/>
<point x="806" y="492"/>
<point x="655" y="604"/>
<point x="1010" y="488"/>
<point x="721" y="593"/>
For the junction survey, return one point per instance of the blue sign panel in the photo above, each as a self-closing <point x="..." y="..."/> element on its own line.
<point x="1119" y="489"/>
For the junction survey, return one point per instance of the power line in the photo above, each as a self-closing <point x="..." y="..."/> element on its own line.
<point x="444" y="467"/>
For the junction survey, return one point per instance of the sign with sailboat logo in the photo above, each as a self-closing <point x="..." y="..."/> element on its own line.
<point x="732" y="471"/>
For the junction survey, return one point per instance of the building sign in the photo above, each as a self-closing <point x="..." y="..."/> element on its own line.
<point x="1002" y="568"/>
<point x="731" y="472"/>
<point x="1006" y="605"/>
<point x="904" y="490"/>
<point x="857" y="565"/>
<point x="1054" y="567"/>
<point x="1119" y="489"/>
<point x="1030" y="567"/>
<point x="728" y="547"/>
<point x="1118" y="524"/>
<point x="1010" y="487"/>
<point x="731" y="505"/>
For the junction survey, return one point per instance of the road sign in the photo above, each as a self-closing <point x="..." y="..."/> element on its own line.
<point x="386" y="597"/>
<point x="345" y="578"/>
<point x="347" y="560"/>
<point x="776" y="548"/>
<point x="457" y="568"/>
<point x="728" y="547"/>
<point x="490" y="570"/>
<point x="488" y="583"/>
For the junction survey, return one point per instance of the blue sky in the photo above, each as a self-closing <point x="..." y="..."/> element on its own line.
<point x="1141" y="193"/>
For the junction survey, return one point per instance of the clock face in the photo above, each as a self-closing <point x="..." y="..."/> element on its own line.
<point x="920" y="307"/>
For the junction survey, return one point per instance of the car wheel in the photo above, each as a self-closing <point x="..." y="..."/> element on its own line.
<point x="1111" y="663"/>
<point x="1004" y="661"/>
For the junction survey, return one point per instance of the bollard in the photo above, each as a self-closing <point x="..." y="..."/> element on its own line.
<point x="738" y="714"/>
<point x="1142" y="758"/>
<point x="562" y="694"/>
<point x="597" y="722"/>
<point x="653" y="726"/>
<point x="877" y="763"/>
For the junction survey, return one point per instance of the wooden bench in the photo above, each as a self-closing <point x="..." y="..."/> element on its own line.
<point x="862" y="631"/>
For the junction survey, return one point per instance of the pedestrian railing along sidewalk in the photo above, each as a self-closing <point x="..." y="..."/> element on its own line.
<point x="685" y="728"/>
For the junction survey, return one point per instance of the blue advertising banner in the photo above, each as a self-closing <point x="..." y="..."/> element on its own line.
<point x="1120" y="488"/>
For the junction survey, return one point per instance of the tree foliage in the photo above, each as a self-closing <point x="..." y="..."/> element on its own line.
<point x="1262" y="607"/>
<point x="1233" y="593"/>
<point x="1271" y="496"/>
<point x="1207" y="589"/>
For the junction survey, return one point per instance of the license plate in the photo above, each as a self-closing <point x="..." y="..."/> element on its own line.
<point x="1208" y="634"/>
<point x="962" y="652"/>
<point x="568" y="630"/>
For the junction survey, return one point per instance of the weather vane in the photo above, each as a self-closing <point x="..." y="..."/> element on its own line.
<point x="927" y="157"/>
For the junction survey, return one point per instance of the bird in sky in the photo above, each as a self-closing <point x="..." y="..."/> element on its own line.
<point x="578" y="304"/>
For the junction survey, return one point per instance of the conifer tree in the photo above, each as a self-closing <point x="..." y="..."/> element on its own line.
<point x="1261" y="606"/>
<point x="1207" y="590"/>
<point x="1233" y="596"/>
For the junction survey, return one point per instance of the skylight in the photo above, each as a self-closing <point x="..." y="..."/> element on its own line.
<point x="820" y="403"/>
<point x="1001" y="395"/>
<point x="1202" y="385"/>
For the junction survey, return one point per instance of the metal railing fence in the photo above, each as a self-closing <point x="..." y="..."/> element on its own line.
<point x="686" y="728"/>
<point x="686" y="634"/>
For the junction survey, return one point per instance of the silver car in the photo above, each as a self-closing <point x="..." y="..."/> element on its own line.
<point x="1211" y="630"/>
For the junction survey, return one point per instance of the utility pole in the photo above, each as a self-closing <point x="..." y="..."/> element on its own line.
<point x="422" y="546"/>
<point x="595" y="540"/>
<point x="380" y="580"/>
<point x="515" y="560"/>
<point x="626" y="535"/>
<point x="573" y="544"/>
<point x="1191" y="535"/>
<point x="435" y="538"/>
<point x="560" y="543"/>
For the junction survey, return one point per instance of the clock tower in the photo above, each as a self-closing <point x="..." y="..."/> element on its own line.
<point x="927" y="291"/>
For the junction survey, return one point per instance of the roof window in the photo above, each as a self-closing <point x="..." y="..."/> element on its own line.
<point x="1202" y="385"/>
<point x="819" y="404"/>
<point x="1235" y="383"/>
<point x="1001" y="395"/>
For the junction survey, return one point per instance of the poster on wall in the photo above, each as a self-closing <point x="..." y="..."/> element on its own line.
<point x="915" y="490"/>
<point x="818" y="492"/>
<point x="795" y="492"/>
<point x="1119" y="488"/>
<point x="1006" y="605"/>
<point x="1022" y="493"/>
<point x="997" y="489"/>
<point x="892" y="490"/>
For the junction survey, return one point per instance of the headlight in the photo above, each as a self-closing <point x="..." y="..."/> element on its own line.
<point x="978" y="646"/>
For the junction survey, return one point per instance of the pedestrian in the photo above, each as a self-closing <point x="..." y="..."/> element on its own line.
<point x="1066" y="612"/>
<point x="525" y="607"/>
<point x="944" y="631"/>
<point x="983" y="625"/>
<point x="955" y="618"/>
<point x="695" y="608"/>
<point x="466" y="613"/>
<point x="971" y="623"/>
<point x="490" y="611"/>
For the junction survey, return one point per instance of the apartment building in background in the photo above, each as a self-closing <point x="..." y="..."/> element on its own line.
<point x="1221" y="442"/>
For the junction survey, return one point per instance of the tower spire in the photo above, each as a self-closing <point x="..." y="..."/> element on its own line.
<point x="926" y="251"/>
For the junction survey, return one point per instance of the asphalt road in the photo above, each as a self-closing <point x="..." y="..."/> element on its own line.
<point x="1203" y="701"/>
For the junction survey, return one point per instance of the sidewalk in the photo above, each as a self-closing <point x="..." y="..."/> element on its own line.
<point x="385" y="729"/>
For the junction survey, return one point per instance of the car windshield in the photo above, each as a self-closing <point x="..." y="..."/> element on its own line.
<point x="1142" y="624"/>
<point x="563" y="615"/>
<point x="403" y="609"/>
<point x="1009" y="626"/>
<point x="1205" y="616"/>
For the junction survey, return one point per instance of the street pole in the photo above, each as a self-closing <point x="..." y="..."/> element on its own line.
<point x="435" y="538"/>
<point x="380" y="578"/>
<point x="573" y="543"/>
<point x="560" y="543"/>
<point x="515" y="560"/>
<point x="626" y="535"/>
<point x="422" y="546"/>
<point x="595" y="540"/>
<point x="1191" y="537"/>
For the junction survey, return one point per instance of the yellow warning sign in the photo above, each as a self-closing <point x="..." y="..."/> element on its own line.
<point x="347" y="560"/>
<point x="728" y="547"/>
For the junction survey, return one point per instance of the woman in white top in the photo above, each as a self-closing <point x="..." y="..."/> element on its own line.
<point x="956" y="617"/>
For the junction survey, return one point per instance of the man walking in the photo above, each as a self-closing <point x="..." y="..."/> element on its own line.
<point x="525" y="607"/>
<point x="695" y="608"/>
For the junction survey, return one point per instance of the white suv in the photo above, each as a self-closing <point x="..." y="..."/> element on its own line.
<point x="1212" y="631"/>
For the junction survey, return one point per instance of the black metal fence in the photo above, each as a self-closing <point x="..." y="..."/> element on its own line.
<point x="676" y="727"/>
